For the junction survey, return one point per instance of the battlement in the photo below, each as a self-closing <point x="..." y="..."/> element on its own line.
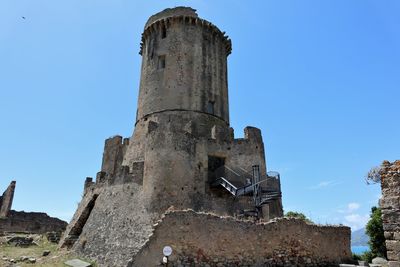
<point x="172" y="12"/>
<point x="187" y="16"/>
<point x="252" y="133"/>
<point x="114" y="149"/>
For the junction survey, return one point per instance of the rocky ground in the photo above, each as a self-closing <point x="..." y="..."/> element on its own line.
<point x="31" y="250"/>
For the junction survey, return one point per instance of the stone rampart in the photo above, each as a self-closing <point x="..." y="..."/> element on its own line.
<point x="201" y="239"/>
<point x="390" y="205"/>
<point x="30" y="222"/>
<point x="20" y="221"/>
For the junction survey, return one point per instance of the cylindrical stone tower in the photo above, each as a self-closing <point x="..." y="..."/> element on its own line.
<point x="183" y="95"/>
<point x="184" y="65"/>
<point x="183" y="76"/>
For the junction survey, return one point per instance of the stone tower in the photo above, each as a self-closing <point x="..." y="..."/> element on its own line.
<point x="182" y="154"/>
<point x="183" y="95"/>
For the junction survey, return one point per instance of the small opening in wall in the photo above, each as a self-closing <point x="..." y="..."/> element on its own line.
<point x="161" y="62"/>
<point x="210" y="107"/>
<point x="215" y="168"/>
<point x="163" y="32"/>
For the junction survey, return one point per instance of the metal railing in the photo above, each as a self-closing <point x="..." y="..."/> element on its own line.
<point x="240" y="182"/>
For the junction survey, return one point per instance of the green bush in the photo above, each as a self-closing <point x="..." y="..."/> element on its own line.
<point x="367" y="256"/>
<point x="356" y="257"/>
<point x="298" y="215"/>
<point x="374" y="230"/>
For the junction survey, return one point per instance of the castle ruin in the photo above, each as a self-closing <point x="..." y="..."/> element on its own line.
<point x="390" y="205"/>
<point x="183" y="171"/>
<point x="12" y="221"/>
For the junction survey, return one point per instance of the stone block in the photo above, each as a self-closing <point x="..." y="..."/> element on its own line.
<point x="393" y="256"/>
<point x="394" y="264"/>
<point x="393" y="245"/>
<point x="388" y="235"/>
<point x="77" y="263"/>
<point x="396" y="236"/>
<point x="379" y="260"/>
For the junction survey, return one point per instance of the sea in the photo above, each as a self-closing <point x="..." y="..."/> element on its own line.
<point x="359" y="249"/>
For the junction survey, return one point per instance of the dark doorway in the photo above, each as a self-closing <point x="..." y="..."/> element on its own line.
<point x="215" y="167"/>
<point x="76" y="230"/>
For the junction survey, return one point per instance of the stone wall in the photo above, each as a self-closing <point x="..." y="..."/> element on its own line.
<point x="20" y="221"/>
<point x="200" y="239"/>
<point x="390" y="205"/>
<point x="6" y="200"/>
<point x="114" y="228"/>
<point x="30" y="222"/>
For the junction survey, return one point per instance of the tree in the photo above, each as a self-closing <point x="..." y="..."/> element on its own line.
<point x="297" y="215"/>
<point x="374" y="230"/>
<point x="373" y="176"/>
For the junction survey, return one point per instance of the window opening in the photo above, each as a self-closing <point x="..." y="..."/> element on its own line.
<point x="163" y="32"/>
<point x="161" y="62"/>
<point x="210" y="107"/>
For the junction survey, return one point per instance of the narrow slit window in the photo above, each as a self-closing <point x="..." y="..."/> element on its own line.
<point x="161" y="62"/>
<point x="210" y="107"/>
<point x="163" y="32"/>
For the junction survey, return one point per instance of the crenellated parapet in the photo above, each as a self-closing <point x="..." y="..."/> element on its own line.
<point x="114" y="149"/>
<point x="186" y="16"/>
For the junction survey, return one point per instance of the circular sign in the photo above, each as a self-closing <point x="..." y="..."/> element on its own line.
<point x="167" y="251"/>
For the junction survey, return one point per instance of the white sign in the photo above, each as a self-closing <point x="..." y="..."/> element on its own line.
<point x="167" y="251"/>
<point x="165" y="259"/>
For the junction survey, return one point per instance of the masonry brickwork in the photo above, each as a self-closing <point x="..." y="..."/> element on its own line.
<point x="279" y="242"/>
<point x="390" y="205"/>
<point x="181" y="148"/>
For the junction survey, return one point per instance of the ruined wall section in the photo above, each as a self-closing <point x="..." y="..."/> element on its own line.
<point x="6" y="200"/>
<point x="283" y="242"/>
<point x="390" y="205"/>
<point x="111" y="224"/>
<point x="31" y="222"/>
<point x="248" y="151"/>
<point x="113" y="171"/>
<point x="114" y="150"/>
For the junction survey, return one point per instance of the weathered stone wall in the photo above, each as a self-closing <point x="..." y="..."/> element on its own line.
<point x="114" y="151"/>
<point x="176" y="148"/>
<point x="200" y="239"/>
<point x="114" y="228"/>
<point x="20" y="221"/>
<point x="6" y="200"/>
<point x="390" y="205"/>
<point x="31" y="222"/>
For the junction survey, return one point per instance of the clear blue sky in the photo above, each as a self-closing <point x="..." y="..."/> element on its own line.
<point x="320" y="78"/>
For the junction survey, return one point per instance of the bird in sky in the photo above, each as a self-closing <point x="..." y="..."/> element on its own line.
<point x="23" y="17"/>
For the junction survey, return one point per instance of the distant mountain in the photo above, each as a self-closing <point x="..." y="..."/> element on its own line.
<point x="359" y="238"/>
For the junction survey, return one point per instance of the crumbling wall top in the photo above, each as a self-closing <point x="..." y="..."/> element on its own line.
<point x="6" y="199"/>
<point x="170" y="12"/>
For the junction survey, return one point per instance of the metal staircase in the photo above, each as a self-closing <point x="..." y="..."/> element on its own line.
<point x="240" y="182"/>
